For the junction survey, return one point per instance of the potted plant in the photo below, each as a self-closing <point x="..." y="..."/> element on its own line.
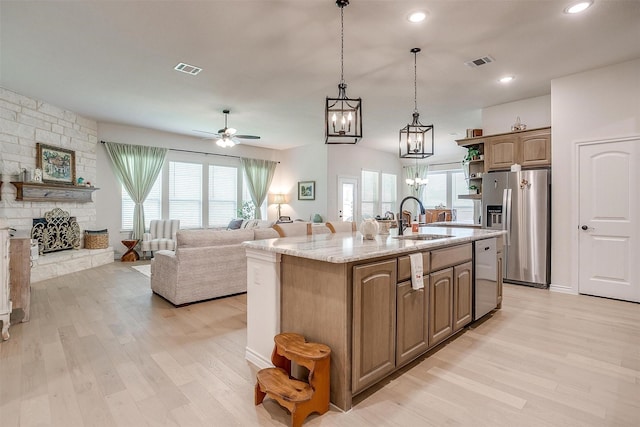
<point x="473" y="153"/>
<point x="474" y="189"/>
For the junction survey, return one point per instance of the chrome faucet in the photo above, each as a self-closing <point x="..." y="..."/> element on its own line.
<point x="400" y="219"/>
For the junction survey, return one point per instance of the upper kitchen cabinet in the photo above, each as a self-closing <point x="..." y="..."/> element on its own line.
<point x="530" y="148"/>
<point x="535" y="148"/>
<point x="500" y="152"/>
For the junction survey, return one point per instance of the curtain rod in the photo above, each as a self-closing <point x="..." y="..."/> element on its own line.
<point x="201" y="152"/>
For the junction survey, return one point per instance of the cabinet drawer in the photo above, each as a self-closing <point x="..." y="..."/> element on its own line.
<point x="446" y="257"/>
<point x="404" y="266"/>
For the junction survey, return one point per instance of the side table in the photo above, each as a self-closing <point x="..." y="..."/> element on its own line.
<point x="130" y="255"/>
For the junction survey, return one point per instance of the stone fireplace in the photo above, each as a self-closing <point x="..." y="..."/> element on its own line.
<point x="57" y="231"/>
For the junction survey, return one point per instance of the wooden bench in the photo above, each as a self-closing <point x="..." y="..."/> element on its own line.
<point x="299" y="397"/>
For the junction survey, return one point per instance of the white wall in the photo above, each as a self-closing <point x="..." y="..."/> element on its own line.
<point x="109" y="204"/>
<point x="307" y="163"/>
<point x="534" y="112"/>
<point x="23" y="123"/>
<point x="598" y="104"/>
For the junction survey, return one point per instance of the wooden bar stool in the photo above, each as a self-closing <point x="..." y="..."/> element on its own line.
<point x="299" y="397"/>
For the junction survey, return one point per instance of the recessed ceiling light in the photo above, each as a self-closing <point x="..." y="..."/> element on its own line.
<point x="417" y="16"/>
<point x="578" y="7"/>
<point x="506" y="79"/>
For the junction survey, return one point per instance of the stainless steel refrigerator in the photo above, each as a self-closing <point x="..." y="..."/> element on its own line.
<point x="520" y="203"/>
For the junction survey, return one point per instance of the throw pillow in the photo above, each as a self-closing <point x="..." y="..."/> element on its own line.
<point x="235" y="224"/>
<point x="250" y="224"/>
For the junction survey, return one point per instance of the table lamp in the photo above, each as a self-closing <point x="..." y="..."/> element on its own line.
<point x="279" y="199"/>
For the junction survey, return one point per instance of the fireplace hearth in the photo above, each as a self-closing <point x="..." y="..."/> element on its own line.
<point x="57" y="231"/>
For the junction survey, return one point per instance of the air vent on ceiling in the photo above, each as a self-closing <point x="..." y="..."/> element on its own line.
<point x="186" y="68"/>
<point x="475" y="63"/>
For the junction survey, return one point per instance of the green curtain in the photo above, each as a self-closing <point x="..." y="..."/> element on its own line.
<point x="137" y="168"/>
<point x="410" y="173"/>
<point x="259" y="174"/>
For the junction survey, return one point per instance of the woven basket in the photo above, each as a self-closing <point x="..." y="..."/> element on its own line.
<point x="96" y="241"/>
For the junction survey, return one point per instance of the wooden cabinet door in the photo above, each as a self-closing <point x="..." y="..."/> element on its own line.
<point x="374" y="322"/>
<point x="535" y="148"/>
<point x="440" y="305"/>
<point x="412" y="333"/>
<point x="462" y="295"/>
<point x="500" y="152"/>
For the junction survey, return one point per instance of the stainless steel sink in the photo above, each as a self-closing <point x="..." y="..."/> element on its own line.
<point x="423" y="236"/>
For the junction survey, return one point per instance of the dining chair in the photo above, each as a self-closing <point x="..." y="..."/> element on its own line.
<point x="342" y="226"/>
<point x="295" y="228"/>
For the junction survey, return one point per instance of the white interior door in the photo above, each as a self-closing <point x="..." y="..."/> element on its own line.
<point x="609" y="237"/>
<point x="347" y="198"/>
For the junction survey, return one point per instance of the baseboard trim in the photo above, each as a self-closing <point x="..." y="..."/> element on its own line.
<point x="562" y="289"/>
<point x="257" y="359"/>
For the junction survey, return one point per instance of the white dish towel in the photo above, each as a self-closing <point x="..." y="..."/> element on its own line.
<point x="417" y="281"/>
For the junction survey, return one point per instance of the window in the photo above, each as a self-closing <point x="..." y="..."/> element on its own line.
<point x="379" y="193"/>
<point x="389" y="193"/>
<point x="223" y="195"/>
<point x="152" y="206"/>
<point x="464" y="208"/>
<point x="185" y="193"/>
<point x="435" y="192"/>
<point x="370" y="194"/>
<point x="443" y="190"/>
<point x="198" y="193"/>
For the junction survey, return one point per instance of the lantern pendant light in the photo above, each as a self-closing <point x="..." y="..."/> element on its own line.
<point x="416" y="139"/>
<point x="343" y="115"/>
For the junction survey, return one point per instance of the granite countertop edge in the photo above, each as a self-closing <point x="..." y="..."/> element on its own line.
<point x="343" y="248"/>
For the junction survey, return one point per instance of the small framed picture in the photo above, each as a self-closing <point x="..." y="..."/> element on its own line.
<point x="306" y="190"/>
<point x="57" y="164"/>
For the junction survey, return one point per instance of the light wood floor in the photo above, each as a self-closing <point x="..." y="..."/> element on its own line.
<point x="101" y="350"/>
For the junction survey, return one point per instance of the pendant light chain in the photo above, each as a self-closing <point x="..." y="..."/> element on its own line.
<point x="415" y="82"/>
<point x="342" y="45"/>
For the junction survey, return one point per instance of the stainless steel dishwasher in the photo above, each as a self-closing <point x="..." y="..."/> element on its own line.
<point x="486" y="278"/>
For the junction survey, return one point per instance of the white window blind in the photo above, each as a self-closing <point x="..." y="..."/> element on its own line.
<point x="443" y="190"/>
<point x="152" y="206"/>
<point x="223" y="195"/>
<point x="389" y="193"/>
<point x="463" y="207"/>
<point x="436" y="190"/>
<point x="185" y="193"/>
<point x="370" y="194"/>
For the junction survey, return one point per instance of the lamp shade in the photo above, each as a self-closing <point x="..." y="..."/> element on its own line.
<point x="278" y="199"/>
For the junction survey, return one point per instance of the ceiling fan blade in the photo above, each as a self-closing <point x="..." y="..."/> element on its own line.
<point x="204" y="131"/>
<point x="247" y="136"/>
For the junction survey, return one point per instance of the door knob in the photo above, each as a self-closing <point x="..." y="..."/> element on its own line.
<point x="584" y="227"/>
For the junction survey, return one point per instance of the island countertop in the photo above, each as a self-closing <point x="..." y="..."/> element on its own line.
<point x="349" y="247"/>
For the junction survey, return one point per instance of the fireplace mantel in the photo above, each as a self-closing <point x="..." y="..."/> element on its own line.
<point x="34" y="192"/>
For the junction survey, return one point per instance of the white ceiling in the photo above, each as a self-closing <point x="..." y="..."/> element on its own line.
<point x="273" y="62"/>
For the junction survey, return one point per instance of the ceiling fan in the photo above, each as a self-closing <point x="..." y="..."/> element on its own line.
<point x="227" y="137"/>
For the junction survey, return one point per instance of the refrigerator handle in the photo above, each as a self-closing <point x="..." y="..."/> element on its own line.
<point x="506" y="212"/>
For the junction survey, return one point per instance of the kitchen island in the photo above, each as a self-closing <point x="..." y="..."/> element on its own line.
<point x="356" y="296"/>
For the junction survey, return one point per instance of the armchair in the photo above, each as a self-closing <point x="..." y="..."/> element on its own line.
<point x="161" y="235"/>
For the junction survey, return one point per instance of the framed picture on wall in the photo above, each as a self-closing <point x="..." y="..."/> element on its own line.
<point x="306" y="190"/>
<point x="58" y="165"/>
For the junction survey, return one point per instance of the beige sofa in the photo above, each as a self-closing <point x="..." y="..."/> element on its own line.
<point x="206" y="264"/>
